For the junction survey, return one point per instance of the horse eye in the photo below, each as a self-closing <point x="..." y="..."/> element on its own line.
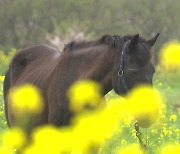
<point x="132" y="69"/>
<point x="134" y="72"/>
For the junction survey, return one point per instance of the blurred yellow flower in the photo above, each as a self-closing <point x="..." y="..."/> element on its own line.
<point x="14" y="138"/>
<point x="2" y="78"/>
<point x="170" y="55"/>
<point x="144" y="103"/>
<point x="49" y="139"/>
<point x="173" y="118"/>
<point x="5" y="150"/>
<point x="84" y="133"/>
<point x="170" y="149"/>
<point x="111" y="116"/>
<point x="84" y="94"/>
<point x="26" y="98"/>
<point x="90" y="132"/>
<point x="91" y="129"/>
<point x="131" y="149"/>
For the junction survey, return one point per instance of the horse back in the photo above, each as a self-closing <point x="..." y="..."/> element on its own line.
<point x="29" y="65"/>
<point x="22" y="59"/>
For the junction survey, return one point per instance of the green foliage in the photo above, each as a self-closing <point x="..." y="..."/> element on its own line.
<point x="5" y="60"/>
<point x="25" y="23"/>
<point x="3" y="123"/>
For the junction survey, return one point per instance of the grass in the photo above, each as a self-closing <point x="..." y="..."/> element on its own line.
<point x="3" y="125"/>
<point x="168" y="131"/>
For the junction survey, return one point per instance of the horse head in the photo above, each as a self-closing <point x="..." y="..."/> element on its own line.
<point x="132" y="63"/>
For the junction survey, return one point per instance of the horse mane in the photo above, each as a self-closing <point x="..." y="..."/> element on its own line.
<point x="106" y="40"/>
<point x="141" y="54"/>
<point x="74" y="45"/>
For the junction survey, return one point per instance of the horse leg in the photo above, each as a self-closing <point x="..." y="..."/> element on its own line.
<point x="59" y="119"/>
<point x="59" y="116"/>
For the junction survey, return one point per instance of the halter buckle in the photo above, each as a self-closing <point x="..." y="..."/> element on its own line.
<point x="121" y="73"/>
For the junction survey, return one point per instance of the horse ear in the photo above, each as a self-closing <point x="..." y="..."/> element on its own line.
<point x="153" y="40"/>
<point x="134" y="42"/>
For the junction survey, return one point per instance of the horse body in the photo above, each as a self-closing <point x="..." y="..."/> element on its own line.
<point x="73" y="66"/>
<point x="95" y="60"/>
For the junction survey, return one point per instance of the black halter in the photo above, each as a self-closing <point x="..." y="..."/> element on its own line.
<point x="122" y="80"/>
<point x="121" y="71"/>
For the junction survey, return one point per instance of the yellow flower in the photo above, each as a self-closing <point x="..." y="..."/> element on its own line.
<point x="131" y="149"/>
<point x="111" y="116"/>
<point x="49" y="139"/>
<point x="26" y="98"/>
<point x="170" y="55"/>
<point x="2" y="78"/>
<point x="173" y="118"/>
<point x="133" y="133"/>
<point x="144" y="103"/>
<point x="166" y="131"/>
<point x="170" y="149"/>
<point x="127" y="119"/>
<point x="123" y="142"/>
<point x="5" y="150"/>
<point x="91" y="129"/>
<point x="84" y="132"/>
<point x="89" y="132"/>
<point x="84" y="94"/>
<point x="154" y="131"/>
<point x="177" y="131"/>
<point x="14" y="138"/>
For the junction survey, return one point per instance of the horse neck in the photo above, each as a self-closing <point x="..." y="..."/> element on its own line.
<point x="98" y="67"/>
<point x="89" y="64"/>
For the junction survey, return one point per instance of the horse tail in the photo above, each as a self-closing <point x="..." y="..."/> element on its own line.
<point x="16" y="66"/>
<point x="6" y="87"/>
<point x="19" y="63"/>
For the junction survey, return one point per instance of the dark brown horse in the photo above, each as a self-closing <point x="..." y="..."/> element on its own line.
<point x="116" y="62"/>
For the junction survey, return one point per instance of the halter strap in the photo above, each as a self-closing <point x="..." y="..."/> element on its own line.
<point x="121" y="70"/>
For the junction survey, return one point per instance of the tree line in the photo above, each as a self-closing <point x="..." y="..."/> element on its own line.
<point x="24" y="23"/>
